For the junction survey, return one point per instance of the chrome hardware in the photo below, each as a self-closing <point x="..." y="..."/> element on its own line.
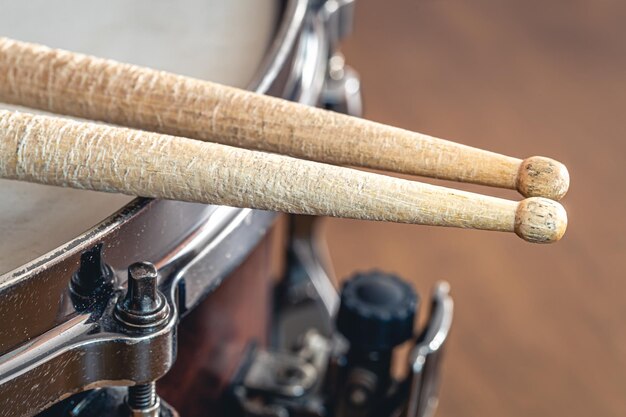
<point x="55" y="342"/>
<point x="342" y="91"/>
<point x="280" y="374"/>
<point x="312" y="377"/>
<point x="71" y="331"/>
<point x="144" y="306"/>
<point x="425" y="358"/>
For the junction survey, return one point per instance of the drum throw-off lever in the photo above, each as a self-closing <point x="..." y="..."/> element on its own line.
<point x="377" y="314"/>
<point x="349" y="373"/>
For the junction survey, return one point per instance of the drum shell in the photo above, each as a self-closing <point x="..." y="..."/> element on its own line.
<point x="214" y="337"/>
<point x="180" y="238"/>
<point x="220" y="40"/>
<point x="195" y="248"/>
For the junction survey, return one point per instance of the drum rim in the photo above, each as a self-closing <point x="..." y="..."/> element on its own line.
<point x="291" y="20"/>
<point x="199" y="224"/>
<point x="41" y="302"/>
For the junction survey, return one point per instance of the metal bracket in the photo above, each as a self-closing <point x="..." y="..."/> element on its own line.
<point x="425" y="358"/>
<point x="91" y="350"/>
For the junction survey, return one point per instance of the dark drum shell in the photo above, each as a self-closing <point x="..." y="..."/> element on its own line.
<point x="213" y="338"/>
<point x="214" y="269"/>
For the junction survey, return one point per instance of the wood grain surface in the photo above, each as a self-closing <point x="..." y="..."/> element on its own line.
<point x="63" y="152"/>
<point x="93" y="88"/>
<point x="539" y="331"/>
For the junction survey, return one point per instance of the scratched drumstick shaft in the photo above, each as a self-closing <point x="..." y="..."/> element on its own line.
<point x="98" y="89"/>
<point x="91" y="156"/>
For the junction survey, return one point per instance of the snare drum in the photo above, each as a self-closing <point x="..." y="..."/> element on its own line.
<point x="53" y="343"/>
<point x="221" y="41"/>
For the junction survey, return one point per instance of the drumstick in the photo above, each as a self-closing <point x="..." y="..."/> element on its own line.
<point x="98" y="157"/>
<point x="98" y="89"/>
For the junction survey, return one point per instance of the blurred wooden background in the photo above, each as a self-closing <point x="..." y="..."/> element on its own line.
<point x="540" y="330"/>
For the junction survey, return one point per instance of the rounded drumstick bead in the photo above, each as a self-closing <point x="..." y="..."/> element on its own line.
<point x="542" y="177"/>
<point x="540" y="220"/>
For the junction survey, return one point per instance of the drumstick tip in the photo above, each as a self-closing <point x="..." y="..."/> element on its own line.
<point x="540" y="220"/>
<point x="542" y="177"/>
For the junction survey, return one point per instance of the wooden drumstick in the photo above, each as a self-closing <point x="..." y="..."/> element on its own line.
<point x="105" y="158"/>
<point x="93" y="88"/>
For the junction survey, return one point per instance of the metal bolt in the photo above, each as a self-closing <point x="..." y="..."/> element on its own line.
<point x="143" y="400"/>
<point x="143" y="306"/>
<point x="361" y="387"/>
<point x="142" y="395"/>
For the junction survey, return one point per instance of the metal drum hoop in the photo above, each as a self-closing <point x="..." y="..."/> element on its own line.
<point x="194" y="247"/>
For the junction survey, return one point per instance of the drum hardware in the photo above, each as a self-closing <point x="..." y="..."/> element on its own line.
<point x="144" y="306"/>
<point x="92" y="338"/>
<point x="324" y="375"/>
<point x="105" y="402"/>
<point x="307" y="290"/>
<point x="93" y="335"/>
<point x="66" y="338"/>
<point x="342" y="91"/>
<point x="308" y="69"/>
<point x="425" y="357"/>
<point x="324" y="25"/>
<point x="131" y="339"/>
<point x="281" y="374"/>
<point x="94" y="280"/>
<point x="143" y="309"/>
<point x="339" y="17"/>
<point x="95" y="339"/>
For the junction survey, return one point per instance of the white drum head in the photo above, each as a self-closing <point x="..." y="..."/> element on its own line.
<point x="218" y="40"/>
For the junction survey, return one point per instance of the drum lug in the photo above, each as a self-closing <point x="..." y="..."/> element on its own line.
<point x="108" y="344"/>
<point x="339" y="15"/>
<point x="342" y="89"/>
